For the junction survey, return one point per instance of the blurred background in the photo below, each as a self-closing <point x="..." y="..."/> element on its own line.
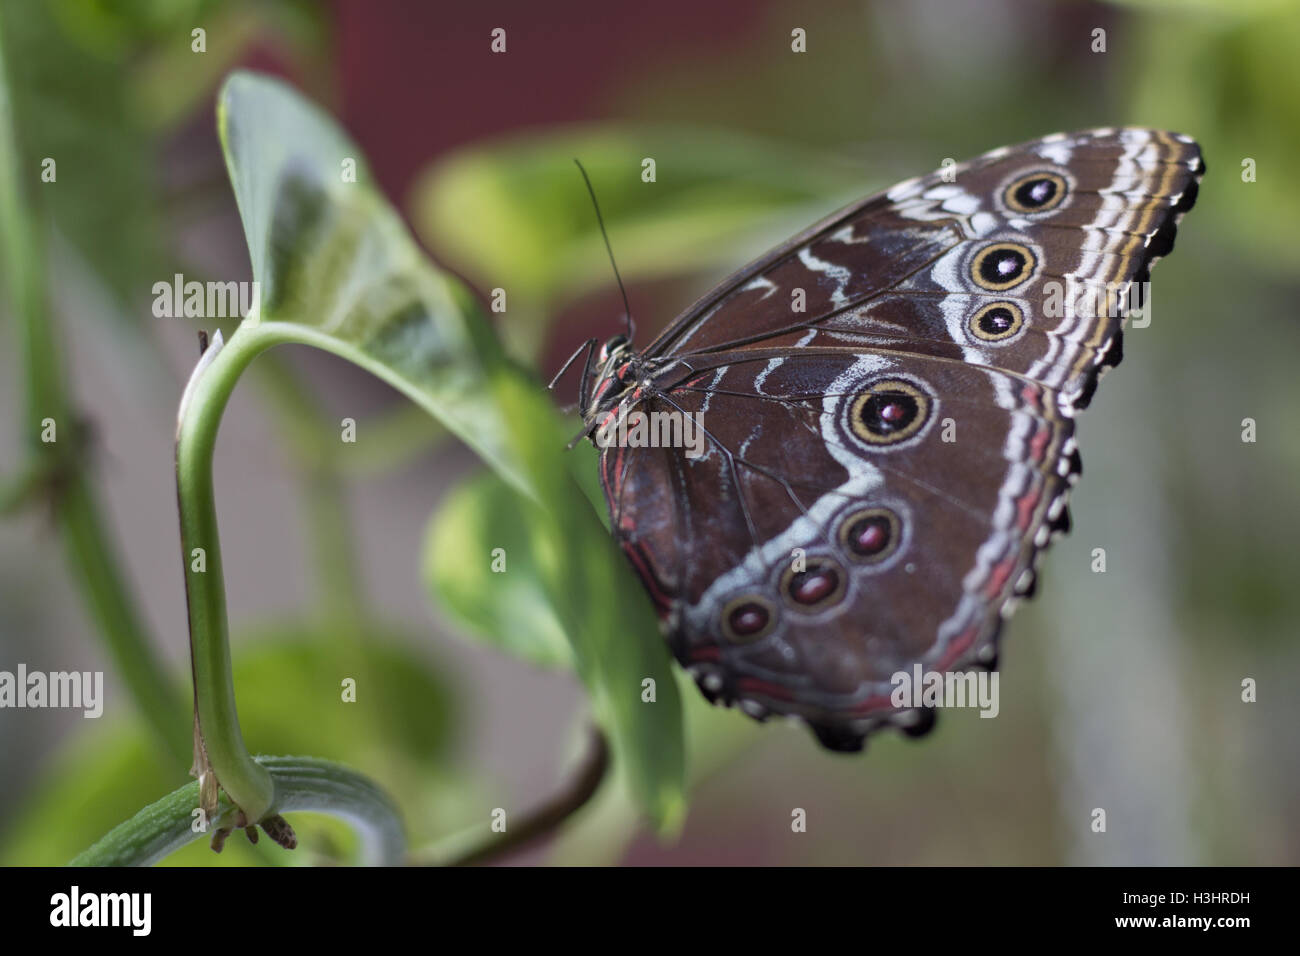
<point x="1120" y="690"/>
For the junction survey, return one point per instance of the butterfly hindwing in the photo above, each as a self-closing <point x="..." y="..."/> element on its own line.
<point x="861" y="553"/>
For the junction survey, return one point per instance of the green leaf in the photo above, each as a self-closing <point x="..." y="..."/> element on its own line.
<point x="337" y="269"/>
<point x="507" y="605"/>
<point x="607" y="618"/>
<point x="550" y="587"/>
<point x="563" y="578"/>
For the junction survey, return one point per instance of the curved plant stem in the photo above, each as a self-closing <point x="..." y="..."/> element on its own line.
<point x="218" y="744"/>
<point x="93" y="561"/>
<point x="542" y="820"/>
<point x="301" y="783"/>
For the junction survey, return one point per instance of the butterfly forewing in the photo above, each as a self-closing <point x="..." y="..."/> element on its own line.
<point x="879" y="269"/>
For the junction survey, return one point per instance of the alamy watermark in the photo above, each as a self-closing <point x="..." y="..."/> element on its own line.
<point x="179" y="299"/>
<point x="668" y="429"/>
<point x="80" y="690"/>
<point x="1090" y="300"/>
<point x="74" y="908"/>
<point x="922" y="688"/>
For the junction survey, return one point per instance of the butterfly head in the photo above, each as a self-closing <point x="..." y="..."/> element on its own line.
<point x="618" y="345"/>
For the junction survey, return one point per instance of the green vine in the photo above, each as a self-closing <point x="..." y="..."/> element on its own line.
<point x="301" y="783"/>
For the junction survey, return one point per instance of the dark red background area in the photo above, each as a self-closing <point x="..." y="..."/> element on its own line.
<point x="420" y="78"/>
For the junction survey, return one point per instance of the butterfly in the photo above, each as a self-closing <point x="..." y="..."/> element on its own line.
<point x="887" y="407"/>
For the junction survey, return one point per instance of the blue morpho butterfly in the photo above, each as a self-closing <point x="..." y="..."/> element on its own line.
<point x="887" y="403"/>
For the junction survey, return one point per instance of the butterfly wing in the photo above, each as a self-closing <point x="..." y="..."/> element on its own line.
<point x="1107" y="207"/>
<point x="887" y="403"/>
<point x="800" y="562"/>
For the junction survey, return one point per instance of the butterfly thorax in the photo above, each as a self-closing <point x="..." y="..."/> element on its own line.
<point x="621" y="370"/>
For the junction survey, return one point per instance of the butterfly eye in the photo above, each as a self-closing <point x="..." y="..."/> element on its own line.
<point x="610" y="347"/>
<point x="996" y="322"/>
<point x="890" y="412"/>
<point x="870" y="534"/>
<point x="748" y="618"/>
<point x="819" y="585"/>
<point x="1037" y="192"/>
<point x="1002" y="265"/>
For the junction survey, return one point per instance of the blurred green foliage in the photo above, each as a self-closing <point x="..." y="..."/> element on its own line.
<point x="516" y="213"/>
<point x="71" y="106"/>
<point x="94" y="85"/>
<point x="399" y="730"/>
<point x="1224" y="75"/>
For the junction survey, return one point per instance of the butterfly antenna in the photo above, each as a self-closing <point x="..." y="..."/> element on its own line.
<point x="627" y="309"/>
